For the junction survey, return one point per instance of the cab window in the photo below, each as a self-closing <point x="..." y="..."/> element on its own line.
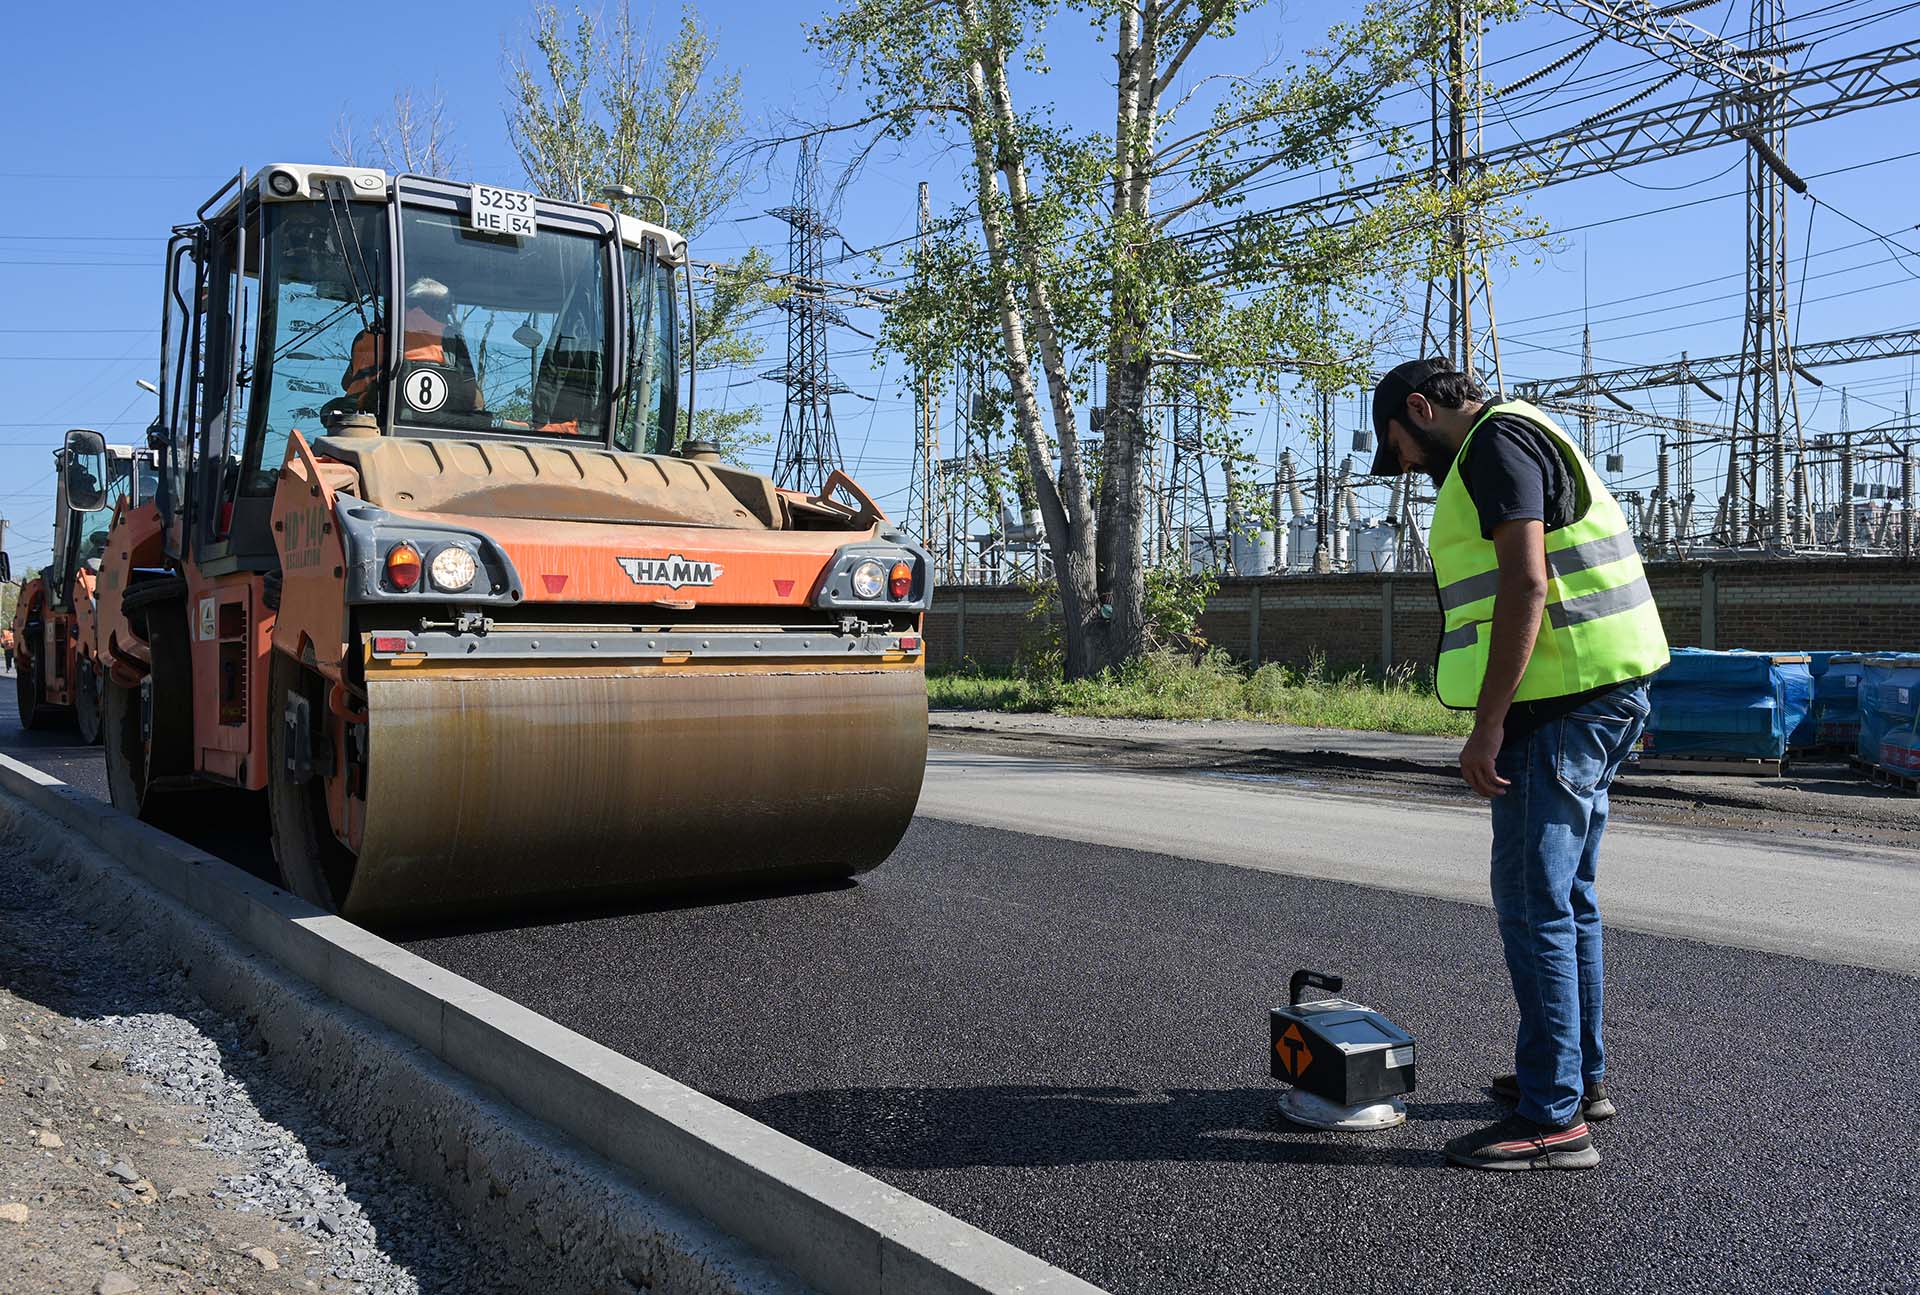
<point x="648" y="411"/>
<point x="503" y="334"/>
<point x="320" y="325"/>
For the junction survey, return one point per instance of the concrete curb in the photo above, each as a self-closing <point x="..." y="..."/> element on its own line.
<point x="826" y="1223"/>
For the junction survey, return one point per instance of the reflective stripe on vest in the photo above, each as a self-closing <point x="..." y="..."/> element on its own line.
<point x="1600" y="626"/>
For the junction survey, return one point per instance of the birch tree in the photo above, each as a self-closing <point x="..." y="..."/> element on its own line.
<point x="417" y="136"/>
<point x="1075" y="248"/>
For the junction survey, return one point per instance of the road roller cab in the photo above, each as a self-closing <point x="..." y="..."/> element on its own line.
<point x="429" y="570"/>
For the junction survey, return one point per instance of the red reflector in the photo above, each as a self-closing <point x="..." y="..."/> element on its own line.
<point x="909" y="643"/>
<point x="389" y="643"/>
<point x="554" y="583"/>
<point x="781" y="588"/>
<point x="900" y="580"/>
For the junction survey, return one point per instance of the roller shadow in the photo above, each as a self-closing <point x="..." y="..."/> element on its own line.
<point x="1047" y="1127"/>
<point x="576" y="909"/>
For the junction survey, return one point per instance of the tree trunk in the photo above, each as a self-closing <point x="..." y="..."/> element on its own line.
<point x="1129" y="360"/>
<point x="1124" y="495"/>
<point x="1068" y="537"/>
<point x="1072" y="545"/>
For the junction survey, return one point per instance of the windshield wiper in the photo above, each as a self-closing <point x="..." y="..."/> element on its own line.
<point x="340" y="211"/>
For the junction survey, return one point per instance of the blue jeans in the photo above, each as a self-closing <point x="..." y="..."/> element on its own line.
<point x="1546" y="852"/>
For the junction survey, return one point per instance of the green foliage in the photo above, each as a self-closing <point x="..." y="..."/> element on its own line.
<point x="1126" y="238"/>
<point x="590" y="108"/>
<point x="1174" y="601"/>
<point x="1039" y="655"/>
<point x="1175" y="685"/>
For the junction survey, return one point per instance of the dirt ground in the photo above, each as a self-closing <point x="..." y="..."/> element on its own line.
<point x="1818" y="799"/>
<point x="102" y="1185"/>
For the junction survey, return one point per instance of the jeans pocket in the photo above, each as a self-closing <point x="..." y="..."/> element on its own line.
<point x="1590" y="748"/>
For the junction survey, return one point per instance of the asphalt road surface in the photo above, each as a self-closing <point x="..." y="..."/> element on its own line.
<point x="1064" y="1042"/>
<point x="1838" y="901"/>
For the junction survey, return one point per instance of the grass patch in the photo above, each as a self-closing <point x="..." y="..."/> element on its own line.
<point x="1171" y="685"/>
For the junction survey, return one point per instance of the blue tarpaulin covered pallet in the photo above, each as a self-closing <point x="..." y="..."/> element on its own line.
<point x="1889" y="700"/>
<point x="1835" y="718"/>
<point x="1728" y="705"/>
<point x="1900" y="756"/>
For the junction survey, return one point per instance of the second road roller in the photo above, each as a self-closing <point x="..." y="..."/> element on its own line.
<point x="54" y="630"/>
<point x="426" y="567"/>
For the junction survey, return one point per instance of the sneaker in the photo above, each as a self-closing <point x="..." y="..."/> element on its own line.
<point x="1518" y="1143"/>
<point x="1597" y="1106"/>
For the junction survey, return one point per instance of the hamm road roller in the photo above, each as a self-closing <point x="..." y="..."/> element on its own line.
<point x="427" y="568"/>
<point x="56" y="667"/>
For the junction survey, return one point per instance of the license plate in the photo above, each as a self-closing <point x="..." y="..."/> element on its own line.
<point x="501" y="211"/>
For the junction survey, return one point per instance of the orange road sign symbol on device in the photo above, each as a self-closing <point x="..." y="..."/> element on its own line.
<point x="1295" y="1056"/>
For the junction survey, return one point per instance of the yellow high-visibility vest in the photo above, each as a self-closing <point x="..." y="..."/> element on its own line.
<point x="1600" y="625"/>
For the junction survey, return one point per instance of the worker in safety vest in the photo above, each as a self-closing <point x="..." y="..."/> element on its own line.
<point x="432" y="339"/>
<point x="1549" y="636"/>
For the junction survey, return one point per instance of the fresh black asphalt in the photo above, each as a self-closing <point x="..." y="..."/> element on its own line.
<point x="1065" y="1045"/>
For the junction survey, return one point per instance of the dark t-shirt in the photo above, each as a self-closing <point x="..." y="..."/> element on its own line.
<point x="1514" y="471"/>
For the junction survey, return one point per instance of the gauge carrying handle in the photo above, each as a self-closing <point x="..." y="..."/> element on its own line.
<point x="1318" y="979"/>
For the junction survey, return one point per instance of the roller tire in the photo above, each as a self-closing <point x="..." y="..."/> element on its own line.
<point x="313" y="863"/>
<point x="28" y="691"/>
<point x="156" y="592"/>
<point x="86" y="705"/>
<point x="126" y="755"/>
<point x="134" y="766"/>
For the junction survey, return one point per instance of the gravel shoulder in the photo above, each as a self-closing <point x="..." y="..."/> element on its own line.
<point x="1816" y="801"/>
<point x="144" y="1146"/>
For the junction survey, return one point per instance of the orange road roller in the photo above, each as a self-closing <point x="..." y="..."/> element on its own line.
<point x="56" y="666"/>
<point x="426" y="566"/>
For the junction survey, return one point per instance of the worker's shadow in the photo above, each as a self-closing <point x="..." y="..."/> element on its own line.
<point x="946" y="1128"/>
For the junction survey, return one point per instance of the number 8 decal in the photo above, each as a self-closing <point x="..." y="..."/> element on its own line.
<point x="426" y="390"/>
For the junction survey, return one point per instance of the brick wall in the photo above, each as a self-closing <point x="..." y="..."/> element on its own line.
<point x="1375" y="619"/>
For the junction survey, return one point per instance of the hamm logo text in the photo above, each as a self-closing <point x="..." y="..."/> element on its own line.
<point x="672" y="572"/>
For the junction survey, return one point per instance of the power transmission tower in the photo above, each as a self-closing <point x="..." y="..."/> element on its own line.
<point x="1470" y="337"/>
<point x="1891" y="345"/>
<point x="971" y="477"/>
<point x="808" y="450"/>
<point x="1752" y="96"/>
<point x="1189" y="499"/>
<point x="1630" y="135"/>
<point x="1770" y="392"/>
<point x="1578" y="395"/>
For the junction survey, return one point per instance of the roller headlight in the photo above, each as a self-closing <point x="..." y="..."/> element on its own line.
<point x="453" y="569"/>
<point x="869" y="578"/>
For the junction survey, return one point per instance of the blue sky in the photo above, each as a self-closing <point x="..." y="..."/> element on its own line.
<point x="127" y="115"/>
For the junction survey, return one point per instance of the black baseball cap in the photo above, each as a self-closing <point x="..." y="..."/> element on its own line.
<point x="1390" y="402"/>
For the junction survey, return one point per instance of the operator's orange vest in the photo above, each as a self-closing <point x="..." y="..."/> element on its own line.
<point x="426" y="344"/>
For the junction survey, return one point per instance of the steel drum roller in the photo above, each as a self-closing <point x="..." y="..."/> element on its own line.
<point x="488" y="788"/>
